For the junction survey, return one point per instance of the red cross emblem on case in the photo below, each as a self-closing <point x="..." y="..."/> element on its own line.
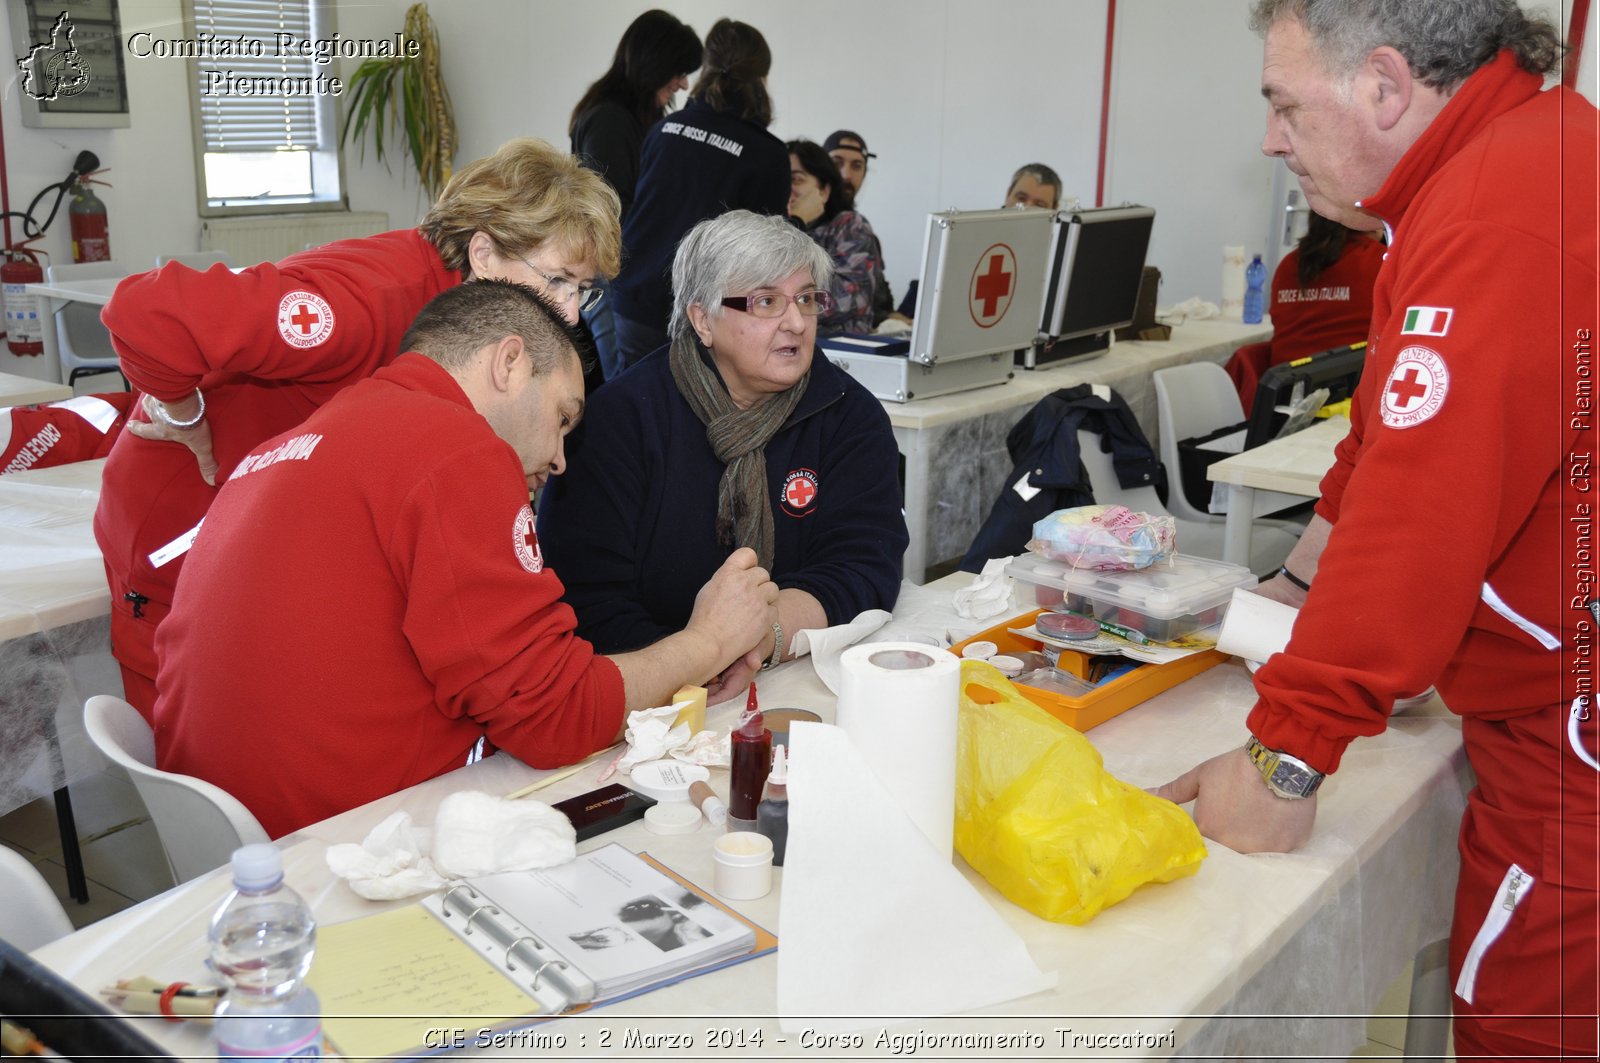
<point x="1415" y="389"/>
<point x="304" y="319"/>
<point x="994" y="282"/>
<point x="525" y="543"/>
<point x="800" y="492"/>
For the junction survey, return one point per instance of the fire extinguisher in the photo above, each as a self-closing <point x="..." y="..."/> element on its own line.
<point x="91" y="241"/>
<point x="25" y="318"/>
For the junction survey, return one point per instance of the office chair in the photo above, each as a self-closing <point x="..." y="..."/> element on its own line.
<point x="200" y="825"/>
<point x="197" y="260"/>
<point x="83" y="342"/>
<point x="31" y="916"/>
<point x="1268" y="545"/>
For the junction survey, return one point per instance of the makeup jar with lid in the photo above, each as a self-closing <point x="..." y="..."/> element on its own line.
<point x="743" y="866"/>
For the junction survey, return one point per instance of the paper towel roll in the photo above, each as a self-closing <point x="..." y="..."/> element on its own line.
<point x="1233" y="282"/>
<point x="898" y="703"/>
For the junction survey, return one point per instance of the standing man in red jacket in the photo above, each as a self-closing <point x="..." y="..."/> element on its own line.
<point x="1453" y="544"/>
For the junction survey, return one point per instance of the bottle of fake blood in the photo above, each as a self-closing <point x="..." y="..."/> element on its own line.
<point x="752" y="760"/>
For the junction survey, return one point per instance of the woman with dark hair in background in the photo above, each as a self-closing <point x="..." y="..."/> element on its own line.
<point x="1321" y="298"/>
<point x="821" y="201"/>
<point x="653" y="61"/>
<point x="713" y="156"/>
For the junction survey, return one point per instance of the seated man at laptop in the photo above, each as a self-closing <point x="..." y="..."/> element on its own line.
<point x="367" y="604"/>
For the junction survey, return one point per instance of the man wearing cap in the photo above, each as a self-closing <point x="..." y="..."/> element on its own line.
<point x="849" y="152"/>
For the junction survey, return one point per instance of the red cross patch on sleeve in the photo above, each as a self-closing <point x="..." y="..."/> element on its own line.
<point x="525" y="542"/>
<point x="1415" y="389"/>
<point x="304" y="319"/>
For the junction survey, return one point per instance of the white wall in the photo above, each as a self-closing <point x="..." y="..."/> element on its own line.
<point x="952" y="94"/>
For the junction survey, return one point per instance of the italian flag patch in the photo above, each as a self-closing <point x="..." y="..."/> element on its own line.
<point x="1426" y="321"/>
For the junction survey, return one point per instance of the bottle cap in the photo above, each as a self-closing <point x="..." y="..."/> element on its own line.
<point x="779" y="775"/>
<point x="675" y="818"/>
<point x="257" y="866"/>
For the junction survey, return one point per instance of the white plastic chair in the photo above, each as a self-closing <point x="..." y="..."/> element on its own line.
<point x="200" y="825"/>
<point x="83" y="342"/>
<point x="1194" y="400"/>
<point x="1191" y="400"/>
<point x="31" y="915"/>
<point x="1269" y="545"/>
<point x="197" y="260"/>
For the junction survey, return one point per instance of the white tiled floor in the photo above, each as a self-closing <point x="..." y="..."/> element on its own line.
<point x="124" y="863"/>
<point x="122" y="855"/>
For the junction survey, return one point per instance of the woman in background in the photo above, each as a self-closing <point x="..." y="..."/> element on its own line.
<point x="1321" y="298"/>
<point x="653" y="62"/>
<point x="821" y="201"/>
<point x="713" y="156"/>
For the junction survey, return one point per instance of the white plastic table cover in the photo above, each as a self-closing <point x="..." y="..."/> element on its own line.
<point x="1254" y="956"/>
<point x="55" y="646"/>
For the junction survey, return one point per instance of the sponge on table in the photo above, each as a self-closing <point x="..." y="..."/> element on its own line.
<point x="691" y="702"/>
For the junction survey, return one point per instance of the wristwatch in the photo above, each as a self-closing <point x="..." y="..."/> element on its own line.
<point x="1285" y="776"/>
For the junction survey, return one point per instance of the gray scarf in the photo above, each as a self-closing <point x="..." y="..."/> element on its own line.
<point x="738" y="438"/>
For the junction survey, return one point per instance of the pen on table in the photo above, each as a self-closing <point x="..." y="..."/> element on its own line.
<point x="1122" y="632"/>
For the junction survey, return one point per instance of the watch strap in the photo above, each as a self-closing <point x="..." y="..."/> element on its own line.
<point x="1285" y="775"/>
<point x="777" y="645"/>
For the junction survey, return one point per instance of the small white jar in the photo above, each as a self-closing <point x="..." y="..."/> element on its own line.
<point x="743" y="865"/>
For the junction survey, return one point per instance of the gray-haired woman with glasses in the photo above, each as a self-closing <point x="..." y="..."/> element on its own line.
<point x="737" y="434"/>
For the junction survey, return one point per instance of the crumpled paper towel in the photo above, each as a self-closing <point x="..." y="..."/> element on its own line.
<point x="988" y="595"/>
<point x="1192" y="309"/>
<point x="474" y="834"/>
<point x="826" y="644"/>
<point x="652" y="735"/>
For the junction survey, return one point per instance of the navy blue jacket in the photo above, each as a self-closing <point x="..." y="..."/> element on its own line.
<point x="1044" y="448"/>
<point x="630" y="526"/>
<point x="696" y="163"/>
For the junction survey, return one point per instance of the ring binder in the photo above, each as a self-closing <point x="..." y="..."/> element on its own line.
<point x="559" y="963"/>
<point x="528" y="945"/>
<point x="444" y="904"/>
<point x="537" y="944"/>
<point x="467" y="929"/>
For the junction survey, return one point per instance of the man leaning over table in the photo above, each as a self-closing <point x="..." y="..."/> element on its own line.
<point x="367" y="605"/>
<point x="1442" y="541"/>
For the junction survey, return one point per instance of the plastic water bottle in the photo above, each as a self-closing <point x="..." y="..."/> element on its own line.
<point x="262" y="940"/>
<point x="1255" y="292"/>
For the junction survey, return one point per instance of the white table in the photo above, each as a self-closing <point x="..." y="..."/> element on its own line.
<point x="955" y="445"/>
<point x="1254" y="956"/>
<point x="18" y="390"/>
<point x="58" y="294"/>
<point x="54" y="640"/>
<point x="1259" y="480"/>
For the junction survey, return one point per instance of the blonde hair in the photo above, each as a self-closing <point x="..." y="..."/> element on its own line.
<point x="524" y="196"/>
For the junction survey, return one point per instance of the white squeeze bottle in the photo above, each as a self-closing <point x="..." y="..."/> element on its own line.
<point x="262" y="940"/>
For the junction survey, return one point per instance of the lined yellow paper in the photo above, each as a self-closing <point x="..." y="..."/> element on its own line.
<point x="387" y="980"/>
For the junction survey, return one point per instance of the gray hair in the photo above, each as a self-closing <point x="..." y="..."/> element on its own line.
<point x="739" y="251"/>
<point x="1443" y="41"/>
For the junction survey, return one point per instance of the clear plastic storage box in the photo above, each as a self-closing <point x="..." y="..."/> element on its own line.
<point x="1163" y="602"/>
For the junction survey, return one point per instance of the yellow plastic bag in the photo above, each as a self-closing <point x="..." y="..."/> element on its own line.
<point x="1038" y="815"/>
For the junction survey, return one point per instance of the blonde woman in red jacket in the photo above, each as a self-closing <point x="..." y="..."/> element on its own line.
<point x="226" y="360"/>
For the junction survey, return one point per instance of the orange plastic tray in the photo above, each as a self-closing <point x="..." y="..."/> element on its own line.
<point x="1117" y="696"/>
